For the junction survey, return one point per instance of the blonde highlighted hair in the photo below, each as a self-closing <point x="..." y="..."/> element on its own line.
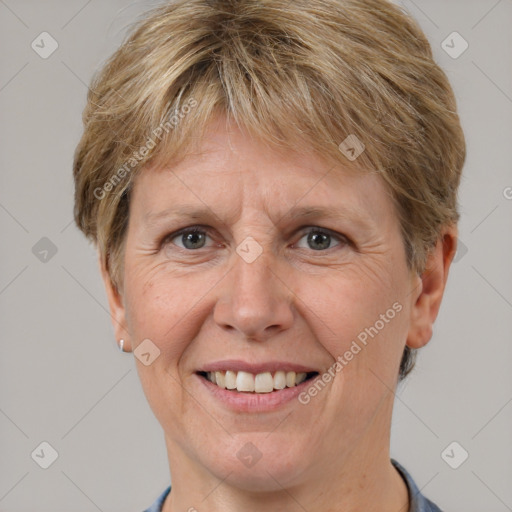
<point x="294" y="73"/>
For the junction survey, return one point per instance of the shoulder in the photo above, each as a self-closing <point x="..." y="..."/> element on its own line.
<point x="418" y="502"/>
<point x="157" y="505"/>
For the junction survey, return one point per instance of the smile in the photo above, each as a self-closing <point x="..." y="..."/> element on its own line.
<point x="264" y="382"/>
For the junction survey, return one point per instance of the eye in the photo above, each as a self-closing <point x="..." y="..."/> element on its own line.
<point x="194" y="238"/>
<point x="190" y="238"/>
<point x="319" y="239"/>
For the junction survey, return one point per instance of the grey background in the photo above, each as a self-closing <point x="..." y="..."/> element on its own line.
<point x="62" y="379"/>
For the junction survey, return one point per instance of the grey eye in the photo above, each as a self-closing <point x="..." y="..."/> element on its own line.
<point x="190" y="239"/>
<point x="319" y="240"/>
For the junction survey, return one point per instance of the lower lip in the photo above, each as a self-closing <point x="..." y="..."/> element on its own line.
<point x="255" y="402"/>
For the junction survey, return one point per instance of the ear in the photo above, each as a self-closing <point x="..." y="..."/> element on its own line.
<point x="431" y="285"/>
<point x="117" y="309"/>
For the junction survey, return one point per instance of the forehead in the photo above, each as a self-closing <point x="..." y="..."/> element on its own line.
<point x="230" y="170"/>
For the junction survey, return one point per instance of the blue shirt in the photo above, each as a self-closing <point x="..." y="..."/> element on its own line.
<point x="418" y="502"/>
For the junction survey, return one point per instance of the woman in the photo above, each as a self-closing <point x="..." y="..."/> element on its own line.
<point x="272" y="189"/>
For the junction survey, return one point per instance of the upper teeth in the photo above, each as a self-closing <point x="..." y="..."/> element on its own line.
<point x="260" y="383"/>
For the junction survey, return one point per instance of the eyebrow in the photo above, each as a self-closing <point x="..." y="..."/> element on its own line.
<point x="360" y="218"/>
<point x="315" y="212"/>
<point x="188" y="211"/>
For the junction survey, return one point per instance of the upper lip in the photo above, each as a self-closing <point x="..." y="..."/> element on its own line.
<point x="255" y="368"/>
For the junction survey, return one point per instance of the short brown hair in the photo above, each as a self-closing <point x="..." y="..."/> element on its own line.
<point x="290" y="72"/>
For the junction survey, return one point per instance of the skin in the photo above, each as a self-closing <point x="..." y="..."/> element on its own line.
<point x="292" y="303"/>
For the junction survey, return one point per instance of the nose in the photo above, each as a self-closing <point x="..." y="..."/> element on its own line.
<point x="255" y="300"/>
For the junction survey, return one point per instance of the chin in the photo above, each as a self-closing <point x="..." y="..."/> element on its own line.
<point x="256" y="464"/>
<point x="265" y="478"/>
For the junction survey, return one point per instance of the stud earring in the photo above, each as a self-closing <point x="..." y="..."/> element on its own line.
<point x="121" y="345"/>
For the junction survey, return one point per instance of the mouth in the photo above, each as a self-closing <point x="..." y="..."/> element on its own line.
<point x="261" y="383"/>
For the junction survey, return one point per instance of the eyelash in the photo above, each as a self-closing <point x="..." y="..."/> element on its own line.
<point x="341" y="239"/>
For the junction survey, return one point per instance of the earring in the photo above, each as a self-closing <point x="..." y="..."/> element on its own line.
<point x="121" y="345"/>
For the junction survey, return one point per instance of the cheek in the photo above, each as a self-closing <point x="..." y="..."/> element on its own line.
<point x="165" y="307"/>
<point x="344" y="308"/>
<point x="360" y="319"/>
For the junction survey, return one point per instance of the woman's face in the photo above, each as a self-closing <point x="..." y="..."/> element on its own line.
<point x="295" y="265"/>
